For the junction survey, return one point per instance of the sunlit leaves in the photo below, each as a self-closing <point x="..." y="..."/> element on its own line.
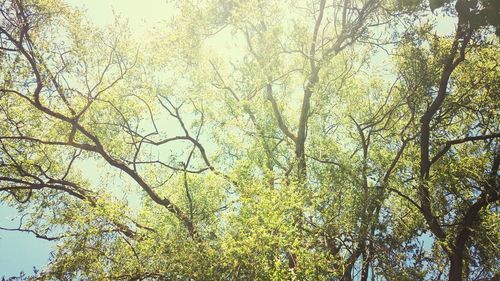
<point x="177" y="157"/>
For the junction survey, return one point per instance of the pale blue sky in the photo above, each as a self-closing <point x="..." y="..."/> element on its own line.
<point x="19" y="251"/>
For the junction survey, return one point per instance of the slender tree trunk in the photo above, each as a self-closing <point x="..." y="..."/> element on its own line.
<point x="365" y="266"/>
<point x="347" y="274"/>
<point x="456" y="267"/>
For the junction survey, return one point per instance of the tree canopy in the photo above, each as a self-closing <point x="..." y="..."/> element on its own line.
<point x="256" y="140"/>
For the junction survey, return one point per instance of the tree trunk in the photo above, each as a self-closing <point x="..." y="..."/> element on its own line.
<point x="456" y="267"/>
<point x="365" y="265"/>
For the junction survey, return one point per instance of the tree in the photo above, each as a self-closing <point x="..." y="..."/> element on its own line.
<point x="289" y="156"/>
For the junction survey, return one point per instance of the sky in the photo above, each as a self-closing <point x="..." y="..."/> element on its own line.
<point x="19" y="251"/>
<point x="141" y="14"/>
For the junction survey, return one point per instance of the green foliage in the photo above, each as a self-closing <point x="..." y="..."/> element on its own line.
<point x="255" y="140"/>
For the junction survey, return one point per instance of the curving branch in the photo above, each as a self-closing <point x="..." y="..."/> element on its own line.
<point x="450" y="143"/>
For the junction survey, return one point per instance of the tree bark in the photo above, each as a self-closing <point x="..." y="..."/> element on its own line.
<point x="456" y="266"/>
